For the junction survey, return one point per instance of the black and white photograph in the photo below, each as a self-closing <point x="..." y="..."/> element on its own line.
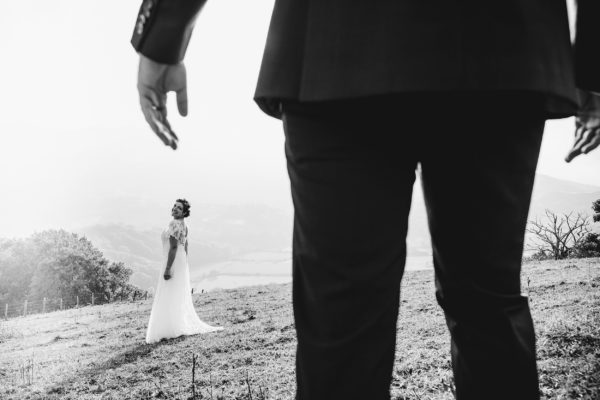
<point x="300" y="200"/>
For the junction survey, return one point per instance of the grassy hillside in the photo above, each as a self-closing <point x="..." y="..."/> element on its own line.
<point x="99" y="352"/>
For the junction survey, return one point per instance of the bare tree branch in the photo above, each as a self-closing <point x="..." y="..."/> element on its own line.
<point x="558" y="234"/>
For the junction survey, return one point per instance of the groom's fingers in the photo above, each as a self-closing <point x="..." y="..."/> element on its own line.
<point x="573" y="152"/>
<point x="593" y="142"/>
<point x="578" y="133"/>
<point x="579" y="136"/>
<point x="153" y="122"/>
<point x="182" y="101"/>
<point x="156" y="117"/>
<point x="170" y="132"/>
<point x="584" y="138"/>
<point x="154" y="108"/>
<point x="571" y="155"/>
<point x="165" y="129"/>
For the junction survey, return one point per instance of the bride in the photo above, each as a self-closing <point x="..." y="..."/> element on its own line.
<point x="173" y="311"/>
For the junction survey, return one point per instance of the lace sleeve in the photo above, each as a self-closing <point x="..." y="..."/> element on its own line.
<point x="178" y="231"/>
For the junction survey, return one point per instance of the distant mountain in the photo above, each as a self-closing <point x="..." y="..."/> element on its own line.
<point x="562" y="196"/>
<point x="224" y="236"/>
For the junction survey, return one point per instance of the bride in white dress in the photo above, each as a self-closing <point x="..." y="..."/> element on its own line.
<point x="173" y="311"/>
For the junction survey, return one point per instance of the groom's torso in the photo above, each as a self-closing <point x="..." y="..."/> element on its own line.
<point x="332" y="49"/>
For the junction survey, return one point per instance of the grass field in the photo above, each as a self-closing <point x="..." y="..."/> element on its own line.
<point x="98" y="352"/>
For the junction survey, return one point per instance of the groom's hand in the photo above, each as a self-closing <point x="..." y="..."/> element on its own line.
<point x="155" y="80"/>
<point x="587" y="126"/>
<point x="167" y="274"/>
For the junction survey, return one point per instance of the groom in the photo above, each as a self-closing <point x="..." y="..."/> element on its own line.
<point x="366" y="91"/>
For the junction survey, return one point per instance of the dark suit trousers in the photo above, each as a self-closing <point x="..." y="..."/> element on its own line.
<point x="352" y="167"/>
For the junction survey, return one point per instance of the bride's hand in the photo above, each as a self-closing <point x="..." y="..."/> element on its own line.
<point x="167" y="274"/>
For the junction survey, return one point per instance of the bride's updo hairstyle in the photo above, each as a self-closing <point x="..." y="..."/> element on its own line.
<point x="186" y="207"/>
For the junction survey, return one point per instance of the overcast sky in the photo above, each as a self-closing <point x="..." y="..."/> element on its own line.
<point x="74" y="138"/>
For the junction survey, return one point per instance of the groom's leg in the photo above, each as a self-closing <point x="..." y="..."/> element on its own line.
<point x="477" y="181"/>
<point x="351" y="180"/>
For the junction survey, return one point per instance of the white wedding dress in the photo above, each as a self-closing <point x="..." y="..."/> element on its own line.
<point x="173" y="311"/>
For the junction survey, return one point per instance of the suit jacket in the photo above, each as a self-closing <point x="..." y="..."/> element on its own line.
<point x="338" y="49"/>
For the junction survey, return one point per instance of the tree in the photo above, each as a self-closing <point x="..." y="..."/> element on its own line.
<point x="596" y="208"/>
<point x="18" y="261"/>
<point x="589" y="247"/>
<point x="59" y="264"/>
<point x="63" y="259"/>
<point x="558" y="234"/>
<point x="72" y="266"/>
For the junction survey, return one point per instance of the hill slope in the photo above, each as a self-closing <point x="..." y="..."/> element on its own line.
<point x="98" y="352"/>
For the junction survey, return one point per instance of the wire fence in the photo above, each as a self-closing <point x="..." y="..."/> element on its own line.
<point x="45" y="305"/>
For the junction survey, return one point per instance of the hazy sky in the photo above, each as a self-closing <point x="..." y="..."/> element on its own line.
<point x="75" y="140"/>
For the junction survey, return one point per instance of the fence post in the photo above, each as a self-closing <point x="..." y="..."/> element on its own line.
<point x="61" y="303"/>
<point x="92" y="298"/>
<point x="44" y="305"/>
<point x="6" y="311"/>
<point x="77" y="306"/>
<point x="25" y="308"/>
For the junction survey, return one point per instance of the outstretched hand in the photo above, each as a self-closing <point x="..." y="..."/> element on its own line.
<point x="155" y="80"/>
<point x="587" y="126"/>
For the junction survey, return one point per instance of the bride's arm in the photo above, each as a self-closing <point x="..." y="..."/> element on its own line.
<point x="171" y="257"/>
